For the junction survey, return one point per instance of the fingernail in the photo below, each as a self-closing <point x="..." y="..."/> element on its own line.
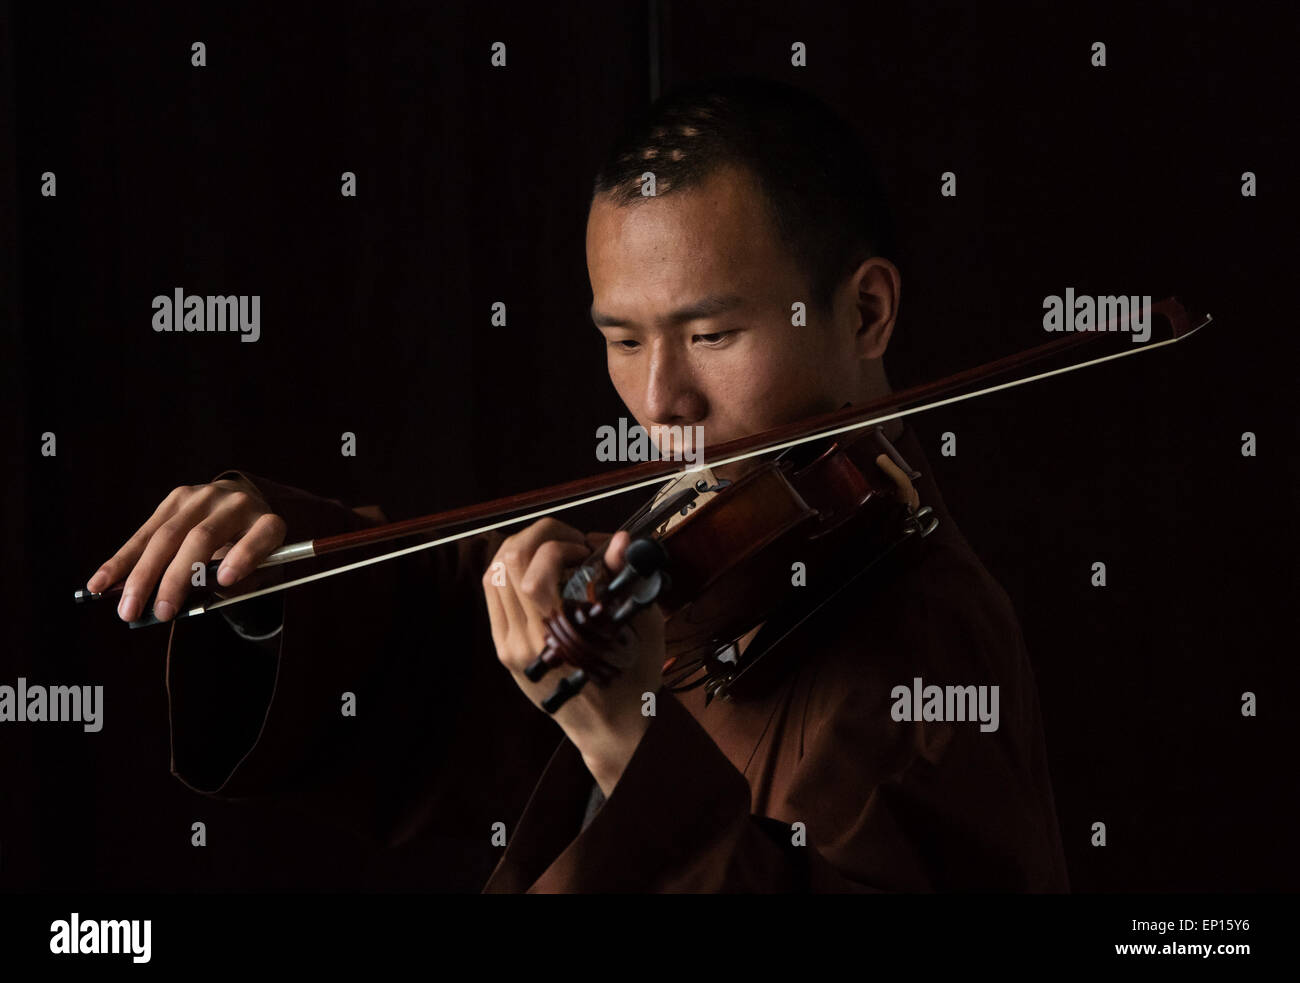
<point x="224" y="576"/>
<point x="164" y="610"/>
<point x="95" y="583"/>
<point x="128" y="608"/>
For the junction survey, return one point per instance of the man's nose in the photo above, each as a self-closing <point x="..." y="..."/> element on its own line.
<point x="672" y="391"/>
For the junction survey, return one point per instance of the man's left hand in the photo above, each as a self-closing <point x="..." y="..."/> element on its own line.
<point x="522" y="586"/>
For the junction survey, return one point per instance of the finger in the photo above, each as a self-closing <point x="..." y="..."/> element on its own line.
<point x="117" y="568"/>
<point x="598" y="540"/>
<point x="492" y="588"/>
<point x="501" y="582"/>
<point x="525" y="632"/>
<point x="263" y="537"/>
<point x="540" y="583"/>
<point x="522" y="642"/>
<point x="906" y="491"/>
<point x="120" y="564"/>
<point x="517" y="551"/>
<point x="204" y="538"/>
<point x="616" y="550"/>
<point x="159" y="551"/>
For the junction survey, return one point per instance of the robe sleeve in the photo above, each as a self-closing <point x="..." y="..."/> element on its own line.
<point x="885" y="805"/>
<point x="375" y="707"/>
<point x="678" y="820"/>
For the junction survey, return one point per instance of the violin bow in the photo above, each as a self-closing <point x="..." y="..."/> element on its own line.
<point x="542" y="502"/>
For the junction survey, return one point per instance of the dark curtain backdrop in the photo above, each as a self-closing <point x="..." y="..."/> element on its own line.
<point x="472" y="188"/>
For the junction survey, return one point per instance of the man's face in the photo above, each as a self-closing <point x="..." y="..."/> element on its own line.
<point x="693" y="293"/>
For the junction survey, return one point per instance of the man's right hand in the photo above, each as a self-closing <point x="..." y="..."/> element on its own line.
<point x="194" y="524"/>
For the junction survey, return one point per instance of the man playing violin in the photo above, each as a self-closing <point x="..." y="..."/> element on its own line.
<point x="763" y="204"/>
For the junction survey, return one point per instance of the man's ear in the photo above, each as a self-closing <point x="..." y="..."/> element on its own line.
<point x="876" y="287"/>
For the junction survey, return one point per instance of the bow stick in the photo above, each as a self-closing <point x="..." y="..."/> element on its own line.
<point x="572" y="494"/>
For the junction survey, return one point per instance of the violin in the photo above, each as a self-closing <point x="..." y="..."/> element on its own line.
<point x="719" y="567"/>
<point x="716" y="554"/>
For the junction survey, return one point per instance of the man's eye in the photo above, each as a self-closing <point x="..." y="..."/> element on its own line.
<point x="626" y="345"/>
<point x="713" y="338"/>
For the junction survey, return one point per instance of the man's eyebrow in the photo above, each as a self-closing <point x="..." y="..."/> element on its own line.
<point x="710" y="306"/>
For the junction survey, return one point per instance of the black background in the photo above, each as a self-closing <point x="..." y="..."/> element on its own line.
<point x="473" y="186"/>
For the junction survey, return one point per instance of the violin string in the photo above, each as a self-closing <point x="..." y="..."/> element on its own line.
<point x="624" y="489"/>
<point x="678" y="675"/>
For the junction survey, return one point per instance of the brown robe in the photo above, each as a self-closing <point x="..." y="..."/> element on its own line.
<point x="807" y="785"/>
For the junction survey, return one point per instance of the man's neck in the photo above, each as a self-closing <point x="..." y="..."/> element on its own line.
<point x="873" y="386"/>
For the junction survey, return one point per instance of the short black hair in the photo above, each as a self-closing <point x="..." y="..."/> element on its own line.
<point x="822" y="188"/>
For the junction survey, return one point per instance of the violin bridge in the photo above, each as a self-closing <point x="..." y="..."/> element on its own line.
<point x="674" y="503"/>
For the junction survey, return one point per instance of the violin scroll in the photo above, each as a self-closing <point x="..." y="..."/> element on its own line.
<point x="587" y="634"/>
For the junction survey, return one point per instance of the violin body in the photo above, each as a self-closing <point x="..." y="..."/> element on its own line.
<point x="729" y="560"/>
<point x="729" y="563"/>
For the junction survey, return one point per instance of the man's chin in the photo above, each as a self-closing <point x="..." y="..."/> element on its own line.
<point x="707" y="449"/>
<point x="734" y="471"/>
